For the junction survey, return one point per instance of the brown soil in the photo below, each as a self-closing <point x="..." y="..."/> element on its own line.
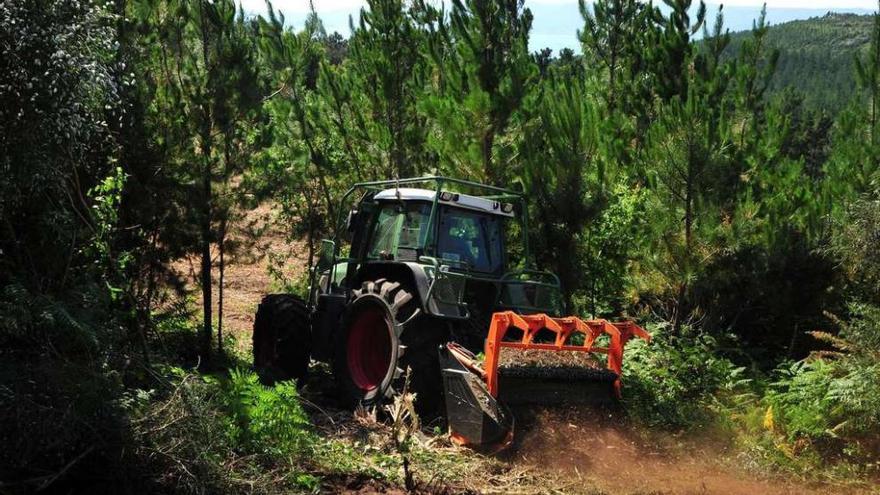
<point x="360" y="485"/>
<point x="594" y="447"/>
<point x="255" y="237"/>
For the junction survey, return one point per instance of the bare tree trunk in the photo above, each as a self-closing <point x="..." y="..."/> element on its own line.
<point x="311" y="232"/>
<point x="144" y="302"/>
<point x="206" y="265"/>
<point x="794" y="336"/>
<point x="222" y="248"/>
<point x="207" y="126"/>
<point x="688" y="241"/>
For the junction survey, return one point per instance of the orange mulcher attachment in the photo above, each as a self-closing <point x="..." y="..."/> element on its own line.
<point x="476" y="395"/>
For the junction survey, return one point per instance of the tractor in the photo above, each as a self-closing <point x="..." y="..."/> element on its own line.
<point x="427" y="274"/>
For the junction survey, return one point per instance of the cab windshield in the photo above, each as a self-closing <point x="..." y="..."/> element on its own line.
<point x="399" y="225"/>
<point x="470" y="239"/>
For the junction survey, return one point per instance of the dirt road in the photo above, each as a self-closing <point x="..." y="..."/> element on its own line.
<point x="612" y="456"/>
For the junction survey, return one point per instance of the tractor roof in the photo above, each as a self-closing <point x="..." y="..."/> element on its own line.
<point x="449" y="198"/>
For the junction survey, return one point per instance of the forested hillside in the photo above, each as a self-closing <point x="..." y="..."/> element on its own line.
<point x="149" y="148"/>
<point x="816" y="57"/>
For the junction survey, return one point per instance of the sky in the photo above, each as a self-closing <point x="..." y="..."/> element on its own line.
<point x="556" y="22"/>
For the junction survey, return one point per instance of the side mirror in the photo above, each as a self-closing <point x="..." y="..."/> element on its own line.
<point x="350" y="221"/>
<point x="326" y="256"/>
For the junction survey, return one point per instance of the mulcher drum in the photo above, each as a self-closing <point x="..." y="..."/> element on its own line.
<point x="555" y="384"/>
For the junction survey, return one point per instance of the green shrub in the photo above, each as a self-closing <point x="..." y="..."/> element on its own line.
<point x="675" y="381"/>
<point x="217" y="435"/>
<point x="267" y="420"/>
<point x="800" y="398"/>
<point x="828" y="405"/>
<point x="825" y="399"/>
<point x="61" y="424"/>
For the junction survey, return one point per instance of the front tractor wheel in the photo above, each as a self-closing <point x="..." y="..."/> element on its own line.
<point x="368" y="347"/>
<point x="282" y="338"/>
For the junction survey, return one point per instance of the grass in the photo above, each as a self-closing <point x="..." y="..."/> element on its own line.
<point x="227" y="433"/>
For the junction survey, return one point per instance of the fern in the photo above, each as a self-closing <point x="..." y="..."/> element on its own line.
<point x="267" y="420"/>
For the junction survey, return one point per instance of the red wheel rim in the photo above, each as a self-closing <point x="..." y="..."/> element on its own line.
<point x="369" y="348"/>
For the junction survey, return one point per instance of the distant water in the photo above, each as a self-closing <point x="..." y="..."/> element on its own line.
<point x="555" y="26"/>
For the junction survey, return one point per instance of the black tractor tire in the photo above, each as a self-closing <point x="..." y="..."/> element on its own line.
<point x="367" y="348"/>
<point x="380" y="337"/>
<point x="282" y="338"/>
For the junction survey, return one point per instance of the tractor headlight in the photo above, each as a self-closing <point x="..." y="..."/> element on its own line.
<point x="448" y="196"/>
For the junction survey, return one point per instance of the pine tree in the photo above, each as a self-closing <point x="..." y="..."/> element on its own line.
<point x="205" y="93"/>
<point x="868" y="78"/>
<point x="488" y="70"/>
<point x="687" y="160"/>
<point x="613" y="36"/>
<point x="755" y="68"/>
<point x="388" y="67"/>
<point x="670" y="47"/>
<point x="564" y="175"/>
<point x="303" y="154"/>
<point x="853" y="168"/>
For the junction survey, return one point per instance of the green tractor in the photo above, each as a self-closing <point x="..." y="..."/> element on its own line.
<point x="413" y="281"/>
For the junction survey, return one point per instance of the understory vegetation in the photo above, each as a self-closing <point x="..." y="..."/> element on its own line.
<point x="666" y="183"/>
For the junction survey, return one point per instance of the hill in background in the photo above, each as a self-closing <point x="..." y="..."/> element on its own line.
<point x="816" y="56"/>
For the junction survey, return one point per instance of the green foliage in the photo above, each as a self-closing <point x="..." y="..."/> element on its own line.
<point x="60" y="407"/>
<point x="671" y="48"/>
<point x="568" y="195"/>
<point x="856" y="245"/>
<point x="57" y="89"/>
<point x="211" y="433"/>
<point x="863" y="329"/>
<point x="107" y="196"/>
<point x="389" y="70"/>
<point x="484" y="74"/>
<point x="828" y="402"/>
<point x="612" y="34"/>
<point x="801" y="399"/>
<point x="675" y="381"/>
<point x="267" y="421"/>
<point x="198" y="69"/>
<point x="62" y="365"/>
<point x="815" y="57"/>
<point x="609" y="252"/>
<point x="756" y="66"/>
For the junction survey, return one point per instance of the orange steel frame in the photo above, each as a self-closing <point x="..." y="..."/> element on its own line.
<point x="619" y="332"/>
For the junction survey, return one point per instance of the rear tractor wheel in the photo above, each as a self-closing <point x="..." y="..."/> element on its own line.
<point x="282" y="338"/>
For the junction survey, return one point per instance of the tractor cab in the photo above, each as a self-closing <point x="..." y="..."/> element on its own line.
<point x="460" y="245"/>
<point x="467" y="231"/>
